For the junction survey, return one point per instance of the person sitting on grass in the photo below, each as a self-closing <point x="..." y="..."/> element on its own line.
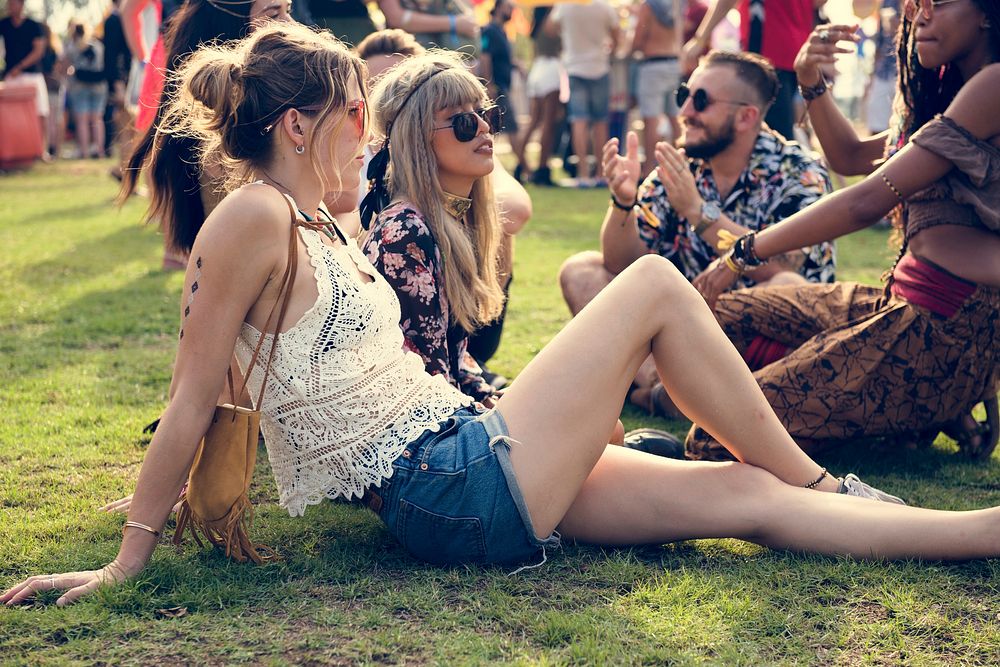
<point x="733" y="175"/>
<point x="847" y="361"/>
<point x="441" y="207"/>
<point x="383" y="50"/>
<point x="456" y="483"/>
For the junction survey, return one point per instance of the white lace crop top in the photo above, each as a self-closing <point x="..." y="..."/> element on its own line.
<point x="343" y="397"/>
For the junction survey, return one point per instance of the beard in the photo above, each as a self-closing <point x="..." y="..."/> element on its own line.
<point x="713" y="143"/>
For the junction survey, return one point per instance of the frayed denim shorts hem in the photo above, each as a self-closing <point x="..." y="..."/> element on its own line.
<point x="453" y="497"/>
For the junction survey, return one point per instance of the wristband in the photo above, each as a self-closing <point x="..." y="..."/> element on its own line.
<point x="453" y="25"/>
<point x="809" y="93"/>
<point x="623" y="207"/>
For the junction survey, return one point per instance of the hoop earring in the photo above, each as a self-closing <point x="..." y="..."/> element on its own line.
<point x="299" y="150"/>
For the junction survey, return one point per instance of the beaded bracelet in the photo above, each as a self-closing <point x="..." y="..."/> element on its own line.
<point x="809" y="93"/>
<point x="812" y="484"/>
<point x="623" y="207"/>
<point x="899" y="195"/>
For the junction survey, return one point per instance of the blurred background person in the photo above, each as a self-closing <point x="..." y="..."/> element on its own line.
<point x="117" y="63"/>
<point x="496" y="66"/>
<point x="87" y="90"/>
<point x="24" y="47"/>
<point x="54" y="68"/>
<point x="545" y="86"/>
<point x="657" y="46"/>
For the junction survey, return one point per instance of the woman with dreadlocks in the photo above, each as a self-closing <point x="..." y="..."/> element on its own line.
<point x="847" y="361"/>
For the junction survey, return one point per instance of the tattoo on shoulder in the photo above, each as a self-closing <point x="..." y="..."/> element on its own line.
<point x="190" y="299"/>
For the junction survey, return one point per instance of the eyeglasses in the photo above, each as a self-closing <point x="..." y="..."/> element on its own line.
<point x="911" y="8"/>
<point x="700" y="99"/>
<point x="358" y="110"/>
<point x="466" y="124"/>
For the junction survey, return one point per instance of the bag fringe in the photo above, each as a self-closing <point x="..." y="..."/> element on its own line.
<point x="229" y="533"/>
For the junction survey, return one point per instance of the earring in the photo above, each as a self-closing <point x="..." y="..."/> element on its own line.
<point x="299" y="150"/>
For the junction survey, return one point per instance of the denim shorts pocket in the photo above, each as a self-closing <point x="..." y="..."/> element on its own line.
<point x="439" y="539"/>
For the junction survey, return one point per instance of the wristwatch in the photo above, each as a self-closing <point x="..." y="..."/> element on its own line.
<point x="710" y="214"/>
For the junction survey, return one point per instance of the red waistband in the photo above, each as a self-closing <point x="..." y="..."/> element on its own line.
<point x="924" y="284"/>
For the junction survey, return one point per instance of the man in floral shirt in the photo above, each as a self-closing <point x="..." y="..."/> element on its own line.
<point x="732" y="175"/>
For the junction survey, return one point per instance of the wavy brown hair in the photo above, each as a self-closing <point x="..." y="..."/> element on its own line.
<point x="228" y="95"/>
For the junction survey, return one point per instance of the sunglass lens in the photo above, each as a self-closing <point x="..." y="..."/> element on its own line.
<point x="466" y="125"/>
<point x="700" y="100"/>
<point x="494" y="118"/>
<point x="681" y="95"/>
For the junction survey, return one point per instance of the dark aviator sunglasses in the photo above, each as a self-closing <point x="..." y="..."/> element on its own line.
<point x="700" y="99"/>
<point x="465" y="125"/>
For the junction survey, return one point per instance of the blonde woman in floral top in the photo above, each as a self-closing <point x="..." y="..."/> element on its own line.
<point x="403" y="249"/>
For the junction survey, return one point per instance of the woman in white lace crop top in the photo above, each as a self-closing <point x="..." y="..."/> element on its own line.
<point x="351" y="411"/>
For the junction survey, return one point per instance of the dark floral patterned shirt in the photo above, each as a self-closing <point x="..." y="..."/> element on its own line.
<point x="402" y="248"/>
<point x="780" y="179"/>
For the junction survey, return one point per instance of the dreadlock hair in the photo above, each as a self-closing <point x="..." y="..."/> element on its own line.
<point x="925" y="93"/>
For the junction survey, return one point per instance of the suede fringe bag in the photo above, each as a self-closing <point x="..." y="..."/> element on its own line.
<point x="216" y="503"/>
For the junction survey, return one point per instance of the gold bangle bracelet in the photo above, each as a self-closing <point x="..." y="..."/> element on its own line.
<point x="141" y="526"/>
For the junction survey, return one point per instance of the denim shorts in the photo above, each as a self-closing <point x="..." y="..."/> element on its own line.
<point x="453" y="499"/>
<point x="88" y="98"/>
<point x="588" y="98"/>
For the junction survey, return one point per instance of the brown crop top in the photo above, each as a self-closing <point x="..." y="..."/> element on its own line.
<point x="969" y="194"/>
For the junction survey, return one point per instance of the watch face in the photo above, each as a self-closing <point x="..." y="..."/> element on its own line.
<point x="710" y="210"/>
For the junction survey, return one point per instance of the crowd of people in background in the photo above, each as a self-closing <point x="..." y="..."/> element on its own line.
<point x="575" y="76"/>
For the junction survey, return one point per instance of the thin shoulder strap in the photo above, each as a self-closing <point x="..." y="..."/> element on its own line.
<point x="284" y="295"/>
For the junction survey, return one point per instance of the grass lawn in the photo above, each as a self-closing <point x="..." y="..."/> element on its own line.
<point x="87" y="332"/>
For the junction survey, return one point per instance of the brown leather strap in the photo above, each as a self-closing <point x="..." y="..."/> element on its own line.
<point x="284" y="295"/>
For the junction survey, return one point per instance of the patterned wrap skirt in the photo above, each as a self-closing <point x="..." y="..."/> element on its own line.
<point x="859" y="369"/>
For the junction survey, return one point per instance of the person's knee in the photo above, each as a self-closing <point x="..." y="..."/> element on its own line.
<point x="753" y="493"/>
<point x="579" y="271"/>
<point x="657" y="275"/>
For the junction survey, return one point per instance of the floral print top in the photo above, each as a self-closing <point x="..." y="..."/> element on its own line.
<point x="780" y="179"/>
<point x="403" y="249"/>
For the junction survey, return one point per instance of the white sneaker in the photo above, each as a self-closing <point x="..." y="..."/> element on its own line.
<point x="853" y="486"/>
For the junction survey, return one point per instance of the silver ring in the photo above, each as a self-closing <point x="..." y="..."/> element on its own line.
<point x="824" y="35"/>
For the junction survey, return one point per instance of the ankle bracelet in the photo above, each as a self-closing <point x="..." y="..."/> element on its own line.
<point x="815" y="482"/>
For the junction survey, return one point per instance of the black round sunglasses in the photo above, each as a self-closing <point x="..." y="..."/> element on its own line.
<point x="465" y="125"/>
<point x="700" y="99"/>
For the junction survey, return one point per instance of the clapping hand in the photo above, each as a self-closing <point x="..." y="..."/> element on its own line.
<point x="622" y="171"/>
<point x="675" y="174"/>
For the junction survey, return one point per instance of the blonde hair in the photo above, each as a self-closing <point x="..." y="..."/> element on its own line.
<point x="469" y="252"/>
<point x="229" y="97"/>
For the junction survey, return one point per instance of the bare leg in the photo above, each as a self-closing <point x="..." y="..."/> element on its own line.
<point x="581" y="278"/>
<point x="550" y="112"/>
<point x="83" y="135"/>
<point x="590" y="365"/>
<point x="634" y="498"/>
<point x="579" y="133"/>
<point x="98" y="124"/>
<point x="599" y="134"/>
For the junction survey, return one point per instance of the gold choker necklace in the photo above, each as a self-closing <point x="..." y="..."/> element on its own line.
<point x="456" y="206"/>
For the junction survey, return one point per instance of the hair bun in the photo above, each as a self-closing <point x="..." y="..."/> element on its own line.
<point x="213" y="84"/>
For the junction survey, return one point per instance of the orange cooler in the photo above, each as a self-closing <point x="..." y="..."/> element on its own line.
<point x="20" y="132"/>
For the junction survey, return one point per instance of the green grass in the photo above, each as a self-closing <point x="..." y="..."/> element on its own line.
<point x="87" y="331"/>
